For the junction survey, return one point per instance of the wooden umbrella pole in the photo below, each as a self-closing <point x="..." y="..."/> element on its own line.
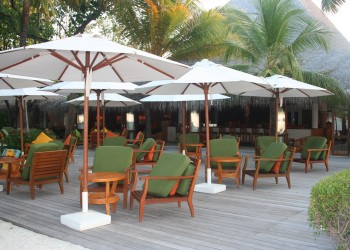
<point x="206" y="110"/>
<point x="103" y="120"/>
<point x="276" y="114"/>
<point x="84" y="194"/>
<point x="183" y="126"/>
<point x="98" y="93"/>
<point x="20" y="100"/>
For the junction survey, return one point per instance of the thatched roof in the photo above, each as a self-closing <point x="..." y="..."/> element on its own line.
<point x="336" y="61"/>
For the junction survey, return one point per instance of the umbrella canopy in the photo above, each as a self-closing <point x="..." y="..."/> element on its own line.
<point x="109" y="100"/>
<point x="97" y="87"/>
<point x="26" y="94"/>
<point x="206" y="77"/>
<point x="87" y="57"/>
<point x="9" y="81"/>
<point x="283" y="86"/>
<point x="181" y="98"/>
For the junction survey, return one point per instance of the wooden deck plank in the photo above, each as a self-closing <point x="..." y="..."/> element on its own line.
<point x="271" y="217"/>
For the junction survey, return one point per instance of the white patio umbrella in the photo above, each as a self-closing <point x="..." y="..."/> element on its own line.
<point x="9" y="81"/>
<point x="26" y="94"/>
<point x="97" y="87"/>
<point x="87" y="57"/>
<point x="206" y="78"/>
<point x="183" y="99"/>
<point x="283" y="86"/>
<point x="108" y="100"/>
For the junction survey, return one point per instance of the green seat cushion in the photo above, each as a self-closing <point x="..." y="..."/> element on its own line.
<point x="184" y="185"/>
<point x="190" y="138"/>
<point x="112" y="159"/>
<point x="222" y="148"/>
<point x="284" y="164"/>
<point x="114" y="141"/>
<point x="132" y="145"/>
<point x="168" y="165"/>
<point x="156" y="154"/>
<point x="273" y="151"/>
<point x="323" y="153"/>
<point x="146" y="146"/>
<point x="41" y="147"/>
<point x="313" y="142"/>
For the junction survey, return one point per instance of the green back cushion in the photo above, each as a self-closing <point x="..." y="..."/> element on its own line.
<point x="264" y="141"/>
<point x="156" y="154"/>
<point x="41" y="147"/>
<point x="112" y="159"/>
<point x="184" y="185"/>
<point x="60" y="144"/>
<point x="223" y="147"/>
<point x="147" y="145"/>
<point x="114" y="141"/>
<point x="190" y="138"/>
<point x="284" y="164"/>
<point x="228" y="137"/>
<point x="273" y="151"/>
<point x="76" y="133"/>
<point x="313" y="142"/>
<point x="323" y="153"/>
<point x="168" y="165"/>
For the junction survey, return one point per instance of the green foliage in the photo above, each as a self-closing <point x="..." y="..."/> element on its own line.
<point x="3" y="119"/>
<point x="329" y="208"/>
<point x="13" y="140"/>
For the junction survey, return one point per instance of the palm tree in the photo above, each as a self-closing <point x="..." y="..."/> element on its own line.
<point x="332" y="5"/>
<point x="175" y="29"/>
<point x="273" y="41"/>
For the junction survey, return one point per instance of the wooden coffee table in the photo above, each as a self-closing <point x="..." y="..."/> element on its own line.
<point x="227" y="173"/>
<point x="109" y="196"/>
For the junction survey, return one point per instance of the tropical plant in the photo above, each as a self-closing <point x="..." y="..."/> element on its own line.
<point x="332" y="5"/>
<point x="274" y="39"/>
<point x="329" y="209"/>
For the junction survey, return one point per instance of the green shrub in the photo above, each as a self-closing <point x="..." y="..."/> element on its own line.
<point x="13" y="140"/>
<point x="329" y="209"/>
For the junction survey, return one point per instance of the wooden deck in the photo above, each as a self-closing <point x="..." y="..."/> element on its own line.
<point x="272" y="217"/>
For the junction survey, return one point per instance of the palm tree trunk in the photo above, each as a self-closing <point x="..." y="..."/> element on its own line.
<point x="24" y="23"/>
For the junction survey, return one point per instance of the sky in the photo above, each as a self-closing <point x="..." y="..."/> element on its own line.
<point x="341" y="19"/>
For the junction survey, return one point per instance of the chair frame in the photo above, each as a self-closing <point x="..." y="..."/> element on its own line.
<point x="255" y="172"/>
<point x="45" y="165"/>
<point x="228" y="173"/>
<point x="196" y="154"/>
<point x="147" y="163"/>
<point x="136" y="140"/>
<point x="308" y="161"/>
<point x="144" y="198"/>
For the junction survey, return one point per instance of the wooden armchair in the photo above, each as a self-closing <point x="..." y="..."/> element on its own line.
<point x="45" y="164"/>
<point x="93" y="139"/>
<point x="149" y="153"/>
<point x="225" y="160"/>
<point x="73" y="143"/>
<point x="171" y="180"/>
<point x="192" y="147"/>
<point x="137" y="142"/>
<point x="118" y="159"/>
<point x="276" y="161"/>
<point x="315" y="150"/>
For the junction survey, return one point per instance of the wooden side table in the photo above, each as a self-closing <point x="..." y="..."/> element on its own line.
<point x="109" y="196"/>
<point x="227" y="173"/>
<point x="11" y="171"/>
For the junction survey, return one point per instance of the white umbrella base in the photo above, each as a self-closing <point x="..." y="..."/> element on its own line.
<point x="1" y="188"/>
<point x="209" y="188"/>
<point x="85" y="220"/>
